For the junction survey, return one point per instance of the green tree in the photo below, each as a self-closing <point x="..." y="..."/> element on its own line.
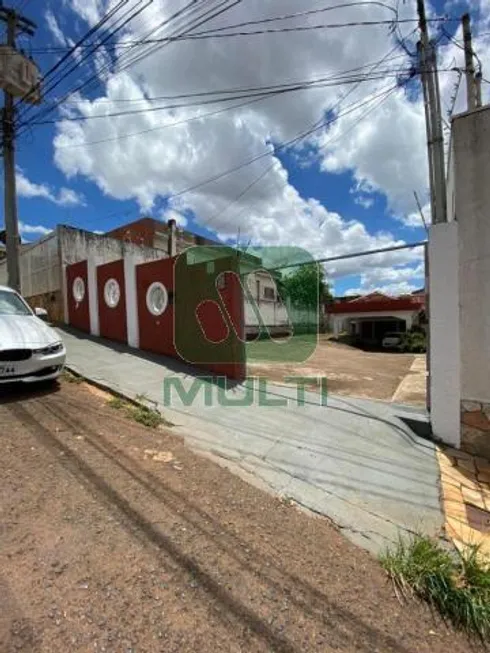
<point x="306" y="286"/>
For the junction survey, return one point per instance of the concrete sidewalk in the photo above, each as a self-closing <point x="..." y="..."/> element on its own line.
<point x="355" y="461"/>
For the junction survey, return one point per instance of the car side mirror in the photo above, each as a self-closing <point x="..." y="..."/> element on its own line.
<point x="41" y="313"/>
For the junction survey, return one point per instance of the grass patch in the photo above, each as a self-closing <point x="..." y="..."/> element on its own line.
<point x="142" y="414"/>
<point x="72" y="378"/>
<point x="458" y="586"/>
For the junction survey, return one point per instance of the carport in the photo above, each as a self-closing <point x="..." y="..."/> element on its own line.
<point x="373" y="330"/>
<point x="372" y="316"/>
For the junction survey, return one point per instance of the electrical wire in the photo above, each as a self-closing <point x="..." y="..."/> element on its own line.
<point x="201" y="19"/>
<point x="216" y="32"/>
<point x="73" y="49"/>
<point x="125" y="21"/>
<point x="297" y="139"/>
<point x="164" y="126"/>
<point x="149" y="110"/>
<point x="372" y="67"/>
<point x="339" y="77"/>
<point x="45" y="111"/>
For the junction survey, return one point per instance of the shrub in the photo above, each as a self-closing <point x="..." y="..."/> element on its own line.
<point x="457" y="586"/>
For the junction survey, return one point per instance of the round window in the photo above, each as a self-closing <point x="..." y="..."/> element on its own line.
<point x="157" y="299"/>
<point x="112" y="293"/>
<point x="78" y="290"/>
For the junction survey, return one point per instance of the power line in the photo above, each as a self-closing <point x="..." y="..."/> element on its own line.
<point x="165" y="126"/>
<point x="148" y="110"/>
<point x="57" y="81"/>
<point x="298" y="138"/>
<point x="264" y="173"/>
<point x="201" y="19"/>
<point x="372" y="65"/>
<point x="339" y="77"/>
<point x="218" y="33"/>
<point x="71" y="51"/>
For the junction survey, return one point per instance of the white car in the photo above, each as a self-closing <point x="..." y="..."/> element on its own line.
<point x="392" y="341"/>
<point x="30" y="350"/>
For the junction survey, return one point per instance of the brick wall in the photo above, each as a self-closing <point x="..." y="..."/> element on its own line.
<point x="475" y="428"/>
<point x="141" y="232"/>
<point x="52" y="302"/>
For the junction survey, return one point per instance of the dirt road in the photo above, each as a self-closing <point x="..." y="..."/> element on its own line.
<point x="351" y="371"/>
<point x="114" y="537"/>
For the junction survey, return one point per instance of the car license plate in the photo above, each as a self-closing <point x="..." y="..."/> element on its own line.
<point x="7" y="370"/>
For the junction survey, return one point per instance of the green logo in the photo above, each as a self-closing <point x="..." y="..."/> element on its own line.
<point x="262" y="305"/>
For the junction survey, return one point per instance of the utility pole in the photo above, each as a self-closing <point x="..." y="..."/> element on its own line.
<point x="473" y="82"/>
<point x="433" y="114"/>
<point x="15" y="23"/>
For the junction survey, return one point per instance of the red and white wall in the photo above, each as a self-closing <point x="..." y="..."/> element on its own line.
<point x="132" y="301"/>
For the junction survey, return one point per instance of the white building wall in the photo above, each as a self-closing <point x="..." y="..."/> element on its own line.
<point x="39" y="267"/>
<point x="445" y="364"/>
<point x="471" y="143"/>
<point x="78" y="245"/>
<point x="471" y="157"/>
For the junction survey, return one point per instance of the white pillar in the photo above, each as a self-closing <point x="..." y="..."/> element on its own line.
<point x="93" y="296"/>
<point x="131" y="301"/>
<point x="445" y="363"/>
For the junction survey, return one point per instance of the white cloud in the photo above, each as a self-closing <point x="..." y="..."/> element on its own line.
<point x="29" y="189"/>
<point x="415" y="219"/>
<point x="29" y="229"/>
<point x="393" y="289"/>
<point x="390" y="281"/>
<point x="54" y="28"/>
<point x="90" y="10"/>
<point x="385" y="149"/>
<point x="172" y="214"/>
<point x="364" y="201"/>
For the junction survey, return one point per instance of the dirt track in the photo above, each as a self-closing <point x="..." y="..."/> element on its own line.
<point x="350" y="371"/>
<point x="103" y="548"/>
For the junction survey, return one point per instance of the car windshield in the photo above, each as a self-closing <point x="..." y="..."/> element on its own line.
<point x="12" y="304"/>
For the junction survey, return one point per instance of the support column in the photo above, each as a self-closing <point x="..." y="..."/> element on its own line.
<point x="93" y="295"/>
<point x="445" y="361"/>
<point x="131" y="301"/>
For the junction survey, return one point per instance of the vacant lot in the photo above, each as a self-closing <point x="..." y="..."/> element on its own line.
<point x="117" y="538"/>
<point x="350" y="371"/>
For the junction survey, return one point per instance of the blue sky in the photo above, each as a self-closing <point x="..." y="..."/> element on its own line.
<point x="355" y="194"/>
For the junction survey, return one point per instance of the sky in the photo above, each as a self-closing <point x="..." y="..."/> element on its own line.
<point x="331" y="169"/>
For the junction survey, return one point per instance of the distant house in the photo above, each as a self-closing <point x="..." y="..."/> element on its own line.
<point x="369" y="317"/>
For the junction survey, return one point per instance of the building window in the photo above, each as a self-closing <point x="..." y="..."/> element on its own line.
<point x="78" y="290"/>
<point x="157" y="299"/>
<point x="112" y="293"/>
<point x="269" y="293"/>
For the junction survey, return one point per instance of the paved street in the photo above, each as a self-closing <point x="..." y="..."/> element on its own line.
<point x="355" y="461"/>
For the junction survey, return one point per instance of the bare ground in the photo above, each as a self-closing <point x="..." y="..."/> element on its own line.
<point x="349" y="371"/>
<point x="104" y="547"/>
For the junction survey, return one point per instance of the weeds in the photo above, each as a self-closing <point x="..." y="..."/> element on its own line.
<point x="72" y="378"/>
<point x="141" y="414"/>
<point x="457" y="586"/>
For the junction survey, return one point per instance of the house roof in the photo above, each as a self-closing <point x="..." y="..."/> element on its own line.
<point x="378" y="302"/>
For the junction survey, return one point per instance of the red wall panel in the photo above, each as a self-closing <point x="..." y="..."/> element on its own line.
<point x="78" y="312"/>
<point x="112" y="320"/>
<point x="156" y="332"/>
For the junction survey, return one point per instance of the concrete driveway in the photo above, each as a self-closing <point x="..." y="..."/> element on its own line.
<point x="358" y="462"/>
